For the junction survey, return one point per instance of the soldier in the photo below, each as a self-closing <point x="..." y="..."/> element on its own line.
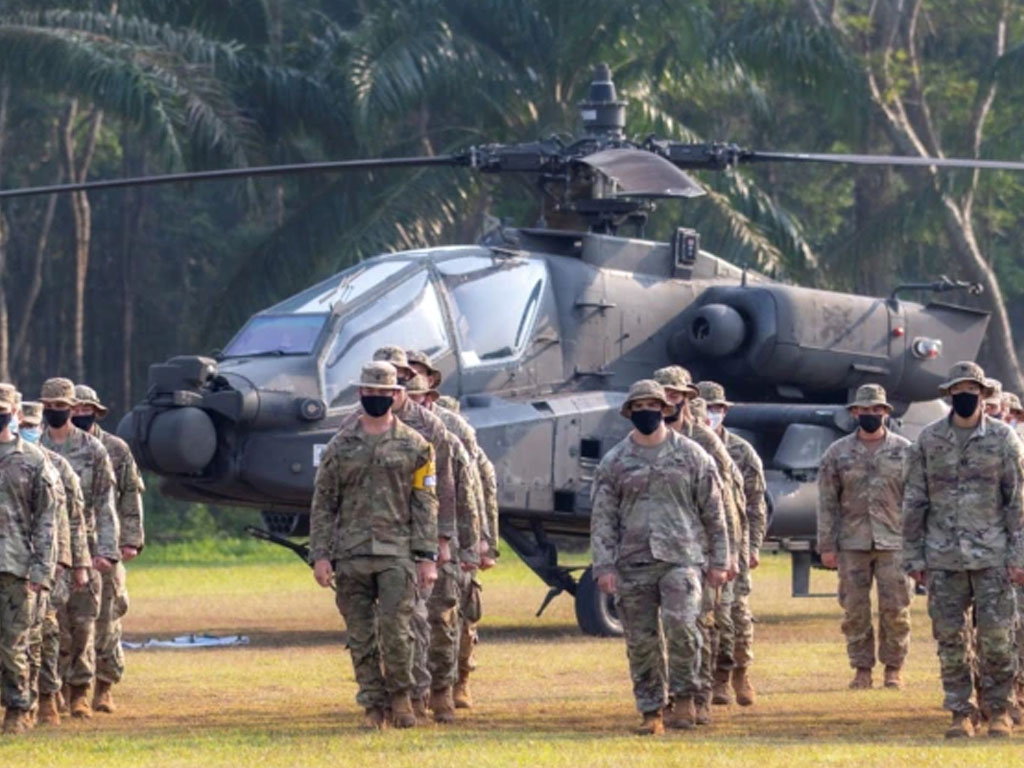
<point x="27" y="560"/>
<point x="128" y="489"/>
<point x="963" y="516"/>
<point x="657" y="520"/>
<point x="994" y="402"/>
<point x="681" y="394"/>
<point x="860" y="493"/>
<point x="1014" y="412"/>
<point x="373" y="532"/>
<point x="91" y="463"/>
<point x="749" y="463"/>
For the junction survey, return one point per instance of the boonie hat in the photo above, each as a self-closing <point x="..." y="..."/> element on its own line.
<point x="31" y="413"/>
<point x="394" y="355"/>
<point x="646" y="389"/>
<point x="87" y="396"/>
<point x="7" y="400"/>
<point x="379" y="375"/>
<point x="676" y="377"/>
<point x="967" y="370"/>
<point x="449" y="403"/>
<point x="58" y="390"/>
<point x="713" y="393"/>
<point x="869" y="395"/>
<point x="417" y="385"/>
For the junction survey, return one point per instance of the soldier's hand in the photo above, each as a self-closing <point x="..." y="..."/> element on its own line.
<point x="426" y="574"/>
<point x="467" y="566"/>
<point x="486" y="561"/>
<point x="444" y="552"/>
<point x="79" y="578"/>
<point x="608" y="583"/>
<point x="754" y="560"/>
<point x="919" y="577"/>
<point x="1016" y="575"/>
<point x="830" y="560"/>
<point x="717" y="577"/>
<point x="129" y="553"/>
<point x="323" y="572"/>
<point x="101" y="564"/>
<point x="35" y="588"/>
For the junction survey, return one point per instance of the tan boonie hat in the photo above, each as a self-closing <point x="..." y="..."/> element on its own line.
<point x="699" y="409"/>
<point x="449" y="403"/>
<point x="7" y="400"/>
<point x="996" y="398"/>
<point x="58" y="390"/>
<point x="713" y="393"/>
<point x="378" y="375"/>
<point x="31" y="413"/>
<point x="395" y="356"/>
<point x="417" y="385"/>
<point x="676" y="377"/>
<point x="966" y="370"/>
<point x="415" y="356"/>
<point x="87" y="396"/>
<point x="869" y="395"/>
<point x="1012" y="403"/>
<point x="646" y="389"/>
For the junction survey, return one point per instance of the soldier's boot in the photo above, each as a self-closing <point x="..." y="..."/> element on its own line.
<point x="861" y="680"/>
<point x="720" y="693"/>
<point x="15" y="721"/>
<point x="64" y="700"/>
<point x="682" y="715"/>
<point x="962" y="726"/>
<point x="443" y="706"/>
<point x="703" y="707"/>
<point x="652" y="725"/>
<point x="401" y="711"/>
<point x="460" y="693"/>
<point x="103" y="698"/>
<point x="48" y="713"/>
<point x="373" y="719"/>
<point x="745" y="693"/>
<point x="419" y="707"/>
<point x="999" y="725"/>
<point x="80" y="702"/>
<point x="893" y="678"/>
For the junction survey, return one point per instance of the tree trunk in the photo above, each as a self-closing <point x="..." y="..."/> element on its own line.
<point x="131" y="228"/>
<point x="5" y="356"/>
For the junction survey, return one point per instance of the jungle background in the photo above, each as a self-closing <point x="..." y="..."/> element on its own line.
<point x="98" y="286"/>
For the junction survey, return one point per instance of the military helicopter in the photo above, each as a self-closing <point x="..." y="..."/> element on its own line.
<point x="539" y="331"/>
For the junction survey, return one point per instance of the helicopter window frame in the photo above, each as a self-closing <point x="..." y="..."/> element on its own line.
<point x="294" y="318"/>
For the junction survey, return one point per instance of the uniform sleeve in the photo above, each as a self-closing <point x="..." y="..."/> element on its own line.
<point x="1013" y="502"/>
<point x="828" y="503"/>
<point x="489" y="484"/>
<point x="44" y="519"/>
<point x="446" y="516"/>
<point x="915" y="509"/>
<point x="754" y="488"/>
<point x="468" y="513"/>
<point x="326" y="506"/>
<point x="742" y="540"/>
<point x="606" y="498"/>
<point x="76" y="522"/>
<point x="108" y="528"/>
<point x="129" y="503"/>
<point x="61" y="526"/>
<point x="423" y="505"/>
<point x="709" y="500"/>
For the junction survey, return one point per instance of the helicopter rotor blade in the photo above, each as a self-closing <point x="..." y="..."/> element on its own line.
<point x="241" y="173"/>
<point x="639" y="173"/>
<point x="892" y="160"/>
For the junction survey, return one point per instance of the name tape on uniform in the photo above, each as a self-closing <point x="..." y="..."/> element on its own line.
<point x="318" y="452"/>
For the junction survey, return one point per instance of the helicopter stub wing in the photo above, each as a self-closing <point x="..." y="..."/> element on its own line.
<point x="639" y="173"/>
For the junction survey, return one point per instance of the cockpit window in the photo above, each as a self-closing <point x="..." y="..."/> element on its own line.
<point x="343" y="287"/>
<point x="495" y="305"/>
<point x="277" y="335"/>
<point x="409" y="315"/>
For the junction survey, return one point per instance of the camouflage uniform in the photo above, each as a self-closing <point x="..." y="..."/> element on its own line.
<point x="860" y="492"/>
<point x="963" y="515"/>
<point x="657" y="519"/>
<point x="373" y="511"/>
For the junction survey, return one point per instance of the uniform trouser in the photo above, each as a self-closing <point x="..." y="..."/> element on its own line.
<point x="950" y="596"/>
<point x="725" y="628"/>
<point x="16" y="608"/>
<point x="469" y="615"/>
<point x="375" y="597"/>
<point x="742" y="620"/>
<point x="1019" y="634"/>
<point x="857" y="570"/>
<point x="77" y="621"/>
<point x="710" y="599"/>
<point x="113" y="606"/>
<point x="40" y="608"/>
<point x="659" y="605"/>
<point x="420" y="628"/>
<point x="443" y="618"/>
<point x="49" y="648"/>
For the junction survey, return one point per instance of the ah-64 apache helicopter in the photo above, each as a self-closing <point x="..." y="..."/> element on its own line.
<point x="539" y="331"/>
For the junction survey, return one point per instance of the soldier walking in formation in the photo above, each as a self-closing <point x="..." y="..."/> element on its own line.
<point x="860" y="496"/>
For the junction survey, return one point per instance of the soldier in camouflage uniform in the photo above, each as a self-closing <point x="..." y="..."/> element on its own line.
<point x="716" y="613"/>
<point x="860" y="495"/>
<point x="963" y="515"/>
<point x="128" y="489"/>
<point x="28" y="516"/>
<point x="373" y="532"/>
<point x="657" y="521"/>
<point x="994" y="402"/>
<point x="756" y="518"/>
<point x="91" y="463"/>
<point x="1014" y="416"/>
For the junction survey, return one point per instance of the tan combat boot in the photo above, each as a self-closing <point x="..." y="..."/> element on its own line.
<point x="103" y="699"/>
<point x="48" y="714"/>
<point x="893" y="679"/>
<point x="720" y="694"/>
<point x="373" y="719"/>
<point x="862" y="680"/>
<point x="745" y="693"/>
<point x="460" y="693"/>
<point x="64" y="700"/>
<point x="682" y="715"/>
<point x="962" y="726"/>
<point x="443" y="706"/>
<point x="15" y="721"/>
<point x="652" y="725"/>
<point x="999" y="725"/>
<point x="419" y="707"/>
<point x="703" y="708"/>
<point x="80" y="702"/>
<point x="401" y="711"/>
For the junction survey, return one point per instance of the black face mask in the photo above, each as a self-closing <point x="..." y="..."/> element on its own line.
<point x="870" y="422"/>
<point x="646" y="422"/>
<point x="5" y="419"/>
<point x="677" y="414"/>
<point x="376" y="405"/>
<point x="56" y="418"/>
<point x="84" y="423"/>
<point x="965" y="404"/>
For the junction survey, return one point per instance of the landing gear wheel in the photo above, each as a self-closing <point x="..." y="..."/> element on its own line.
<point x="595" y="611"/>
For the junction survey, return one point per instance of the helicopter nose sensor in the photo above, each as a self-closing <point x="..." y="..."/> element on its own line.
<point x="717" y="330"/>
<point x="182" y="441"/>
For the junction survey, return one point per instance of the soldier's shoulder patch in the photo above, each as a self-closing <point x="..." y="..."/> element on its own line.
<point x="425" y="477"/>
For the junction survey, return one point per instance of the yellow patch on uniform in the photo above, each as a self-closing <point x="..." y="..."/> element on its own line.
<point x="424" y="477"/>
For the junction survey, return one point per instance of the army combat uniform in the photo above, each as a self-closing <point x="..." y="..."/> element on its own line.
<point x="963" y="515"/>
<point x="860" y="496"/>
<point x="656" y="521"/>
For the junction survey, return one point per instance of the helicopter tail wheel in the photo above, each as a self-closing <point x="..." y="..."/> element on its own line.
<point x="595" y="611"/>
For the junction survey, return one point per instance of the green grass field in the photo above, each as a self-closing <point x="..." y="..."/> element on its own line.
<point x="545" y="695"/>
